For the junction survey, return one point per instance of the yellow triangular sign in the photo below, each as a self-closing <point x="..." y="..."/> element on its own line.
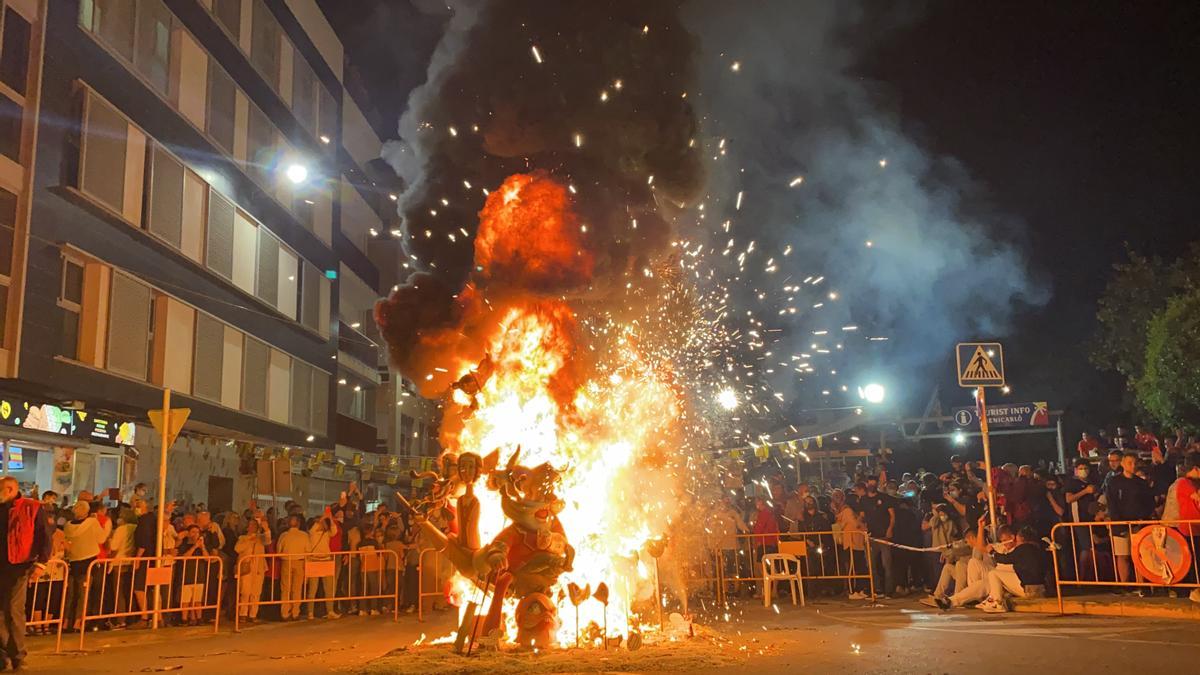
<point x="173" y="426"/>
<point x="980" y="367"/>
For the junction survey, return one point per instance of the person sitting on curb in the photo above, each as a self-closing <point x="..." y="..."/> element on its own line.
<point x="978" y="567"/>
<point x="1021" y="573"/>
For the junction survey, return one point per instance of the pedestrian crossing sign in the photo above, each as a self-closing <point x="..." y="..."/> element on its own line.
<point x="980" y="364"/>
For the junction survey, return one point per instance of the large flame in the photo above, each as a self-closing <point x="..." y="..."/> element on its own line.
<point x="608" y="423"/>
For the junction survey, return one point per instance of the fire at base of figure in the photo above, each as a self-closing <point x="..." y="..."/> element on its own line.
<point x="524" y="561"/>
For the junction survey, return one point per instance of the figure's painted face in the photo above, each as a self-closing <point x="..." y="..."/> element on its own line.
<point x="468" y="468"/>
<point x="529" y="514"/>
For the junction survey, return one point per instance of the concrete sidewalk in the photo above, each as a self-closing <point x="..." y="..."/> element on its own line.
<point x="320" y="645"/>
<point x="1107" y="604"/>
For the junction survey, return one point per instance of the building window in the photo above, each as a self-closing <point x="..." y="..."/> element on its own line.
<point x="130" y="327"/>
<point x="265" y="43"/>
<point x="304" y="93"/>
<point x="153" y="55"/>
<point x="165" y="215"/>
<point x="267" y="287"/>
<point x="260" y="146"/>
<point x="327" y="116"/>
<point x="229" y="15"/>
<point x="356" y="399"/>
<point x="289" y="283"/>
<point x="279" y="401"/>
<point x="255" y="371"/>
<point x="8" y="220"/>
<point x="320" y="402"/>
<point x="245" y="252"/>
<point x="12" y="115"/>
<point x="14" y="51"/>
<point x="406" y="432"/>
<point x="112" y="20"/>
<point x="310" y="296"/>
<point x="219" y="255"/>
<point x="139" y="31"/>
<point x="302" y="376"/>
<point x="102" y="167"/>
<point x="70" y="302"/>
<point x="208" y="358"/>
<point x="222" y="103"/>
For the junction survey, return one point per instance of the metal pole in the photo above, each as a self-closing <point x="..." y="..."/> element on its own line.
<point x="162" y="495"/>
<point x="1062" y="456"/>
<point x="987" y="457"/>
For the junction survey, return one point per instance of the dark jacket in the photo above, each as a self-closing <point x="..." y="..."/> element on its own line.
<point x="1129" y="498"/>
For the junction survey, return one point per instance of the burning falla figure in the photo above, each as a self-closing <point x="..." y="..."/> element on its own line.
<point x="527" y="557"/>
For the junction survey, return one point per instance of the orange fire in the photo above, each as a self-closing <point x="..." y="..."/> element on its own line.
<point x="529" y="238"/>
<point x="591" y="406"/>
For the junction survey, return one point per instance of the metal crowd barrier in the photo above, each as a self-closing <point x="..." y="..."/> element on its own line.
<point x="301" y="576"/>
<point x="119" y="588"/>
<point x="438" y="582"/>
<point x="42" y="610"/>
<point x="1101" y="553"/>
<point x="821" y="557"/>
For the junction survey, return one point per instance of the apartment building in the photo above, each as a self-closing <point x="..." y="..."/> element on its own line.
<point x="185" y="205"/>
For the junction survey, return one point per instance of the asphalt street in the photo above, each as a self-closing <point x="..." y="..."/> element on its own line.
<point x="828" y="636"/>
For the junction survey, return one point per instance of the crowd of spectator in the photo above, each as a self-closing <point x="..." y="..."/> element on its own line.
<point x="928" y="531"/>
<point x="308" y="581"/>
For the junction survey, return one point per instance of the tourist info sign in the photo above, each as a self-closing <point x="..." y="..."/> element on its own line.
<point x="980" y="364"/>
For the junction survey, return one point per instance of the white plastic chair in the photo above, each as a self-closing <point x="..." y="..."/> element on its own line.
<point x="781" y="567"/>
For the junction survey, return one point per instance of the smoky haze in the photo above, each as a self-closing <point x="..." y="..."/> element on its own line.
<point x="942" y="264"/>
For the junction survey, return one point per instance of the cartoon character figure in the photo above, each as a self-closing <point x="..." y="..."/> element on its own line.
<point x="526" y="558"/>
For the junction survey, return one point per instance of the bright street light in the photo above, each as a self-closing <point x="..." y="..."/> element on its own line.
<point x="959" y="438"/>
<point x="873" y="393"/>
<point x="297" y="173"/>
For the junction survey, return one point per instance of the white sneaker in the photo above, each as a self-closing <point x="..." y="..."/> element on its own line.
<point x="992" y="607"/>
<point x="374" y="612"/>
<point x="1194" y="596"/>
<point x="859" y="595"/>
<point x="333" y="615"/>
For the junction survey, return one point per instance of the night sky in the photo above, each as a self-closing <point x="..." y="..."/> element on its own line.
<point x="1078" y="118"/>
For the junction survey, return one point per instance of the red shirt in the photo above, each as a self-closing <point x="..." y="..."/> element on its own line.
<point x="766" y="524"/>
<point x="1085" y="448"/>
<point x="1189" y="509"/>
<point x="1145" y="440"/>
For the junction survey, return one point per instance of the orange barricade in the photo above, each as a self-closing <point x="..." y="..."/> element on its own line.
<point x="119" y="588"/>
<point x="1128" y="553"/>
<point x="372" y="578"/>
<point x="737" y="559"/>
<point x="46" y="601"/>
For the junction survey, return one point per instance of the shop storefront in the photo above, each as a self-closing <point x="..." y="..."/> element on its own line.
<point x="66" y="450"/>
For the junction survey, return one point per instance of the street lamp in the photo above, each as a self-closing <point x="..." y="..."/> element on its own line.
<point x="873" y="393"/>
<point x="297" y="173"/>
<point x="960" y="438"/>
